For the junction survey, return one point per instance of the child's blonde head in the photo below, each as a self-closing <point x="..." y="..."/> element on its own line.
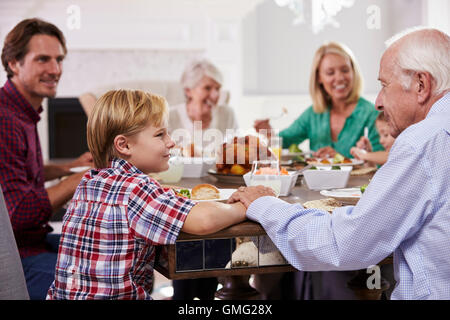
<point x="124" y="112"/>
<point x="381" y="117"/>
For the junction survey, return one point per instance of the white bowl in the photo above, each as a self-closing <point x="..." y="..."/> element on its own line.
<point x="287" y="182"/>
<point x="326" y="178"/>
<point x="197" y="167"/>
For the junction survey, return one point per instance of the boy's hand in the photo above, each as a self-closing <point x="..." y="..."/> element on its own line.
<point x="246" y="195"/>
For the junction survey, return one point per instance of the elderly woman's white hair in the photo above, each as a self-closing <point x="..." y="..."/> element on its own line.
<point x="428" y="50"/>
<point x="196" y="70"/>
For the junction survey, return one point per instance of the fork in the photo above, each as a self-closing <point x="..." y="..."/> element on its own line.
<point x="284" y="111"/>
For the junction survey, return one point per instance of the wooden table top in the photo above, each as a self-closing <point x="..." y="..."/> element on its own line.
<point x="299" y="194"/>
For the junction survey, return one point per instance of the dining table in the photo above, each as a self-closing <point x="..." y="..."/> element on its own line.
<point x="235" y="281"/>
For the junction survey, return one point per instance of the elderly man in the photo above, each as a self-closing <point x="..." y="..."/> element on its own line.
<point x="406" y="208"/>
<point x="32" y="57"/>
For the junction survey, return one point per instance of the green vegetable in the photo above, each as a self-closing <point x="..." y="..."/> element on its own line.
<point x="185" y="193"/>
<point x="313" y="168"/>
<point x="338" y="158"/>
<point x="299" y="159"/>
<point x="335" y="168"/>
<point x="293" y="148"/>
<point x="363" y="188"/>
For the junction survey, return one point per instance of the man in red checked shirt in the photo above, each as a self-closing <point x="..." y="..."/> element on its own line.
<point x="32" y="57"/>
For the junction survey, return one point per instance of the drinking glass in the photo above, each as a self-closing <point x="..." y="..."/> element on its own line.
<point x="266" y="173"/>
<point x="176" y="168"/>
<point x="276" y="145"/>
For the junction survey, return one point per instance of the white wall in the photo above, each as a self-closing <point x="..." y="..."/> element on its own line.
<point x="278" y="54"/>
<point x="265" y="60"/>
<point x="118" y="40"/>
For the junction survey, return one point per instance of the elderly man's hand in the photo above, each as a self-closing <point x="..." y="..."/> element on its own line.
<point x="247" y="195"/>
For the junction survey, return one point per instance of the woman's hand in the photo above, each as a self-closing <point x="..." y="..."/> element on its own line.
<point x="325" y="152"/>
<point x="246" y="195"/>
<point x="262" y="125"/>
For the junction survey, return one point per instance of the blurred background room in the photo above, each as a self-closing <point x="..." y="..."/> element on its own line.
<point x="264" y="48"/>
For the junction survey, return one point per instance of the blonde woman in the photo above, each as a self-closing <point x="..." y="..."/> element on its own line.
<point x="338" y="115"/>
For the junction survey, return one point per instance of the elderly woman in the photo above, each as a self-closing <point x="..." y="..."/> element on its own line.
<point x="201" y="82"/>
<point x="338" y="115"/>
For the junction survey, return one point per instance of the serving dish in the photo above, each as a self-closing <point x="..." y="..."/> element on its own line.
<point x="227" y="177"/>
<point x="327" y="177"/>
<point x="320" y="162"/>
<point x="288" y="181"/>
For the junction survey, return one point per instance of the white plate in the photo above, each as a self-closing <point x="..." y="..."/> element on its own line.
<point x="79" y="169"/>
<point x="355" y="162"/>
<point x="286" y="155"/>
<point x="227" y="177"/>
<point x="346" y="195"/>
<point x="224" y="194"/>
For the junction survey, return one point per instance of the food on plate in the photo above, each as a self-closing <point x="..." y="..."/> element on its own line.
<point x="363" y="188"/>
<point x="205" y="191"/>
<point x="237" y="169"/>
<point x="327" y="204"/>
<point x="299" y="159"/>
<point x="293" y="148"/>
<point x="299" y="166"/>
<point x="271" y="171"/>
<point x="337" y="159"/>
<point x="363" y="171"/>
<point x="241" y="151"/>
<point x="189" y="150"/>
<point x="183" y="193"/>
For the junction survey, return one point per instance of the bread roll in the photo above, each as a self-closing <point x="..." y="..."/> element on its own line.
<point x="205" y="191"/>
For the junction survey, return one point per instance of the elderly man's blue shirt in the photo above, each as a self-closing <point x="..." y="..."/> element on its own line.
<point x="405" y="211"/>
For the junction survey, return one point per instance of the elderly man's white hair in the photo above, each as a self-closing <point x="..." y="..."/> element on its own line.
<point x="423" y="49"/>
<point x="196" y="70"/>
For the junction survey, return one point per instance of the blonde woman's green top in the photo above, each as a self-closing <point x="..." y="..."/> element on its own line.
<point x="316" y="128"/>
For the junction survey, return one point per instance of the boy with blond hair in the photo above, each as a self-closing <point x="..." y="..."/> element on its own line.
<point x="119" y="214"/>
